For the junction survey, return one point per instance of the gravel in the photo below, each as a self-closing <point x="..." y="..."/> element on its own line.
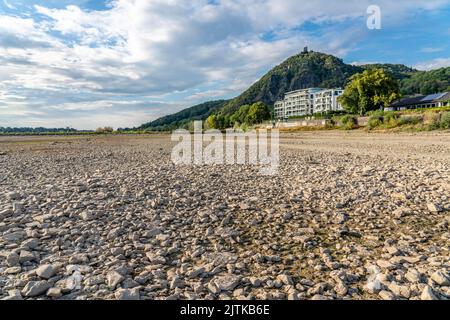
<point x="349" y="215"/>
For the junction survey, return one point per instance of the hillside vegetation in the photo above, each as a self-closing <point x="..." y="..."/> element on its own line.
<point x="305" y="70"/>
<point x="183" y="118"/>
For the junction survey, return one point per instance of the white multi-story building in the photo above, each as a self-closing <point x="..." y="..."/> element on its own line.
<point x="326" y="100"/>
<point x="307" y="102"/>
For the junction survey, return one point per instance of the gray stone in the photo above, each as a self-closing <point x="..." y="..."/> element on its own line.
<point x="14" y="236"/>
<point x="35" y="288"/>
<point x="26" y="256"/>
<point x="227" y="282"/>
<point x="113" y="279"/>
<point x="46" y="271"/>
<point x="428" y="294"/>
<point x="127" y="294"/>
<point x="54" y="292"/>
<point x="413" y="276"/>
<point x="432" y="207"/>
<point x="386" y="295"/>
<point x="285" y="279"/>
<point x="12" y="259"/>
<point x="441" y="278"/>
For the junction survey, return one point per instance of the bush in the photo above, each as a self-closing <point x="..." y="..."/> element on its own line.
<point x="390" y="119"/>
<point x="104" y="130"/>
<point x="445" y="120"/>
<point x="409" y="120"/>
<point x="374" y="121"/>
<point x="431" y="120"/>
<point x="349" y="122"/>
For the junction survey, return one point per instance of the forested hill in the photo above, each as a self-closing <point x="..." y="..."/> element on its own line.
<point x="305" y="70"/>
<point x="183" y="118"/>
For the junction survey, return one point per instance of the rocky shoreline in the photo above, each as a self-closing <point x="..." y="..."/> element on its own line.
<point x="349" y="216"/>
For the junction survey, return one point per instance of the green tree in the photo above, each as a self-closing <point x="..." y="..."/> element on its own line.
<point x="257" y="113"/>
<point x="211" y="122"/>
<point x="370" y="90"/>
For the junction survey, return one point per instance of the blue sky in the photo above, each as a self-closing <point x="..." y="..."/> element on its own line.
<point x="91" y="63"/>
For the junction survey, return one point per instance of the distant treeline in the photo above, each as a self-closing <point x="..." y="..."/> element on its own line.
<point x="40" y="130"/>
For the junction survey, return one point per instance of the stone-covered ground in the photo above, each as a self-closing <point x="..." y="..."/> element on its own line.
<point x="348" y="216"/>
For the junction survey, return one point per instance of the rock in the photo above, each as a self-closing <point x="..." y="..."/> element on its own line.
<point x="212" y="287"/>
<point x="26" y="256"/>
<point x="113" y="279"/>
<point x="13" y="295"/>
<point x="340" y="217"/>
<point x="256" y="282"/>
<point x="14" y="236"/>
<point x="151" y="233"/>
<point x="428" y="294"/>
<point x="341" y="288"/>
<point x="441" y="278"/>
<point x="432" y="207"/>
<point x="196" y="272"/>
<point x="127" y="294"/>
<point x="244" y="206"/>
<point x="46" y="271"/>
<point x="385" y="264"/>
<point x="227" y="282"/>
<point x="35" y="288"/>
<point x="86" y="216"/>
<point x="399" y="290"/>
<point x="13" y="270"/>
<point x="5" y="213"/>
<point x="401" y="212"/>
<point x="162" y="237"/>
<point x="413" y="276"/>
<point x="31" y="244"/>
<point x="17" y="208"/>
<point x="393" y="250"/>
<point x="155" y="259"/>
<point x="293" y="295"/>
<point x="176" y="283"/>
<point x="117" y="251"/>
<point x="285" y="279"/>
<point x="386" y="295"/>
<point x="13" y="195"/>
<point x="12" y="259"/>
<point x="54" y="293"/>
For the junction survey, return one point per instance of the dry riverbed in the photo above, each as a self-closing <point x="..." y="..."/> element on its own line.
<point x="350" y="215"/>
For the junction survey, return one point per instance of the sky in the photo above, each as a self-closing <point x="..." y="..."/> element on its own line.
<point x="121" y="63"/>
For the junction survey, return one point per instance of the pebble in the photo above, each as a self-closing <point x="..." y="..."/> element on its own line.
<point x="35" y="288"/>
<point x="127" y="294"/>
<point x="46" y="271"/>
<point x="113" y="279"/>
<point x="428" y="294"/>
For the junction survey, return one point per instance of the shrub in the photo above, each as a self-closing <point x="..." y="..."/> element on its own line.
<point x="375" y="121"/>
<point x="105" y="130"/>
<point x="431" y="120"/>
<point x="445" y="120"/>
<point x="390" y="119"/>
<point x="349" y="122"/>
<point x="409" y="120"/>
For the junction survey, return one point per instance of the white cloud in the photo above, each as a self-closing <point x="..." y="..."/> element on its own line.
<point x="433" y="64"/>
<point x="432" y="49"/>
